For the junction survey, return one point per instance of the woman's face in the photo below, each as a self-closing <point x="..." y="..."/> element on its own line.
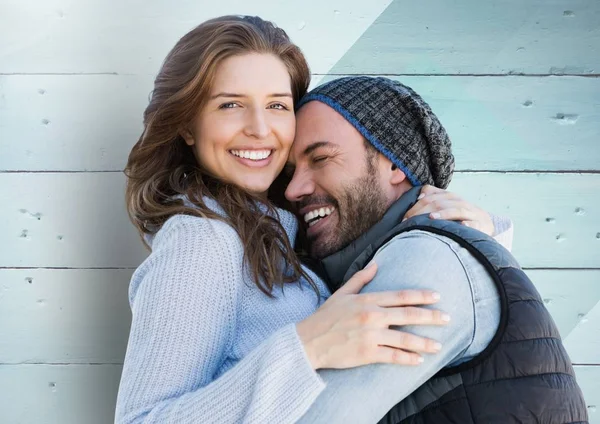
<point x="244" y="132"/>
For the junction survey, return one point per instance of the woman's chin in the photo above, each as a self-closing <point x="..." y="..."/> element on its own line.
<point x="259" y="188"/>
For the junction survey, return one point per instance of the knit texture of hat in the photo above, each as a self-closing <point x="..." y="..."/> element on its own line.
<point x="396" y="121"/>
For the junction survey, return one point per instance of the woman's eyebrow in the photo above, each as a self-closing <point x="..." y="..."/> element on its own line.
<point x="224" y="94"/>
<point x="237" y="95"/>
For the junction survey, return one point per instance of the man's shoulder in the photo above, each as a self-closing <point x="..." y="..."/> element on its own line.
<point x="421" y="242"/>
<point x="429" y="255"/>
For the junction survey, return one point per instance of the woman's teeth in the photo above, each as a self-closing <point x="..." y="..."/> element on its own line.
<point x="312" y="217"/>
<point x="252" y="154"/>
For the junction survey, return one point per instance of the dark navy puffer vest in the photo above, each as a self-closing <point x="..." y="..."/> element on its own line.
<point x="523" y="376"/>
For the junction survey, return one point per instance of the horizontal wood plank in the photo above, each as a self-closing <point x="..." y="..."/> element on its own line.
<point x="65" y="394"/>
<point x="488" y="37"/>
<point x="588" y="378"/>
<point x="133" y="37"/>
<point x="556" y="216"/>
<point x="570" y="296"/>
<point x="67" y="220"/>
<point x="79" y="220"/>
<point x="432" y="36"/>
<point x="64" y="316"/>
<point x="48" y="123"/>
<point x="75" y="394"/>
<point x="83" y="316"/>
<point x="583" y="343"/>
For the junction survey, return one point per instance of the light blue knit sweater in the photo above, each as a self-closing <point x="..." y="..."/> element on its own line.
<point x="206" y="346"/>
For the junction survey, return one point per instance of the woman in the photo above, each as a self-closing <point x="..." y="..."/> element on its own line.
<point x="220" y="307"/>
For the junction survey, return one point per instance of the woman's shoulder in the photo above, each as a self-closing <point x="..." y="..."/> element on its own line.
<point x="190" y="250"/>
<point x="193" y="238"/>
<point x="183" y="225"/>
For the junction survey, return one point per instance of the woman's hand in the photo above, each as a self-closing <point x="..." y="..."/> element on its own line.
<point x="352" y="329"/>
<point x="442" y="204"/>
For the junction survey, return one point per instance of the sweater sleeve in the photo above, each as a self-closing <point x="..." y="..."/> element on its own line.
<point x="184" y="303"/>
<point x="503" y="231"/>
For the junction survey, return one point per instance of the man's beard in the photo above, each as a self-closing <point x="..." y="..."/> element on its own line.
<point x="361" y="205"/>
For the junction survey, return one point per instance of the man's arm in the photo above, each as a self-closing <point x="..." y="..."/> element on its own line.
<point x="421" y="261"/>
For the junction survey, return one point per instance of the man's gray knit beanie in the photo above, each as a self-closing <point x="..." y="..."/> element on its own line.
<point x="396" y="121"/>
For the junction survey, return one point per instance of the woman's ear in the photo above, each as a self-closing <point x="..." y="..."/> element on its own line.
<point x="188" y="137"/>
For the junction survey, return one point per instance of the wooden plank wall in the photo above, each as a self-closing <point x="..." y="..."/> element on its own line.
<point x="516" y="82"/>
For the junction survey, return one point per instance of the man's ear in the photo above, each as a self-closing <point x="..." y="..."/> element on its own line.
<point x="188" y="136"/>
<point x="396" y="175"/>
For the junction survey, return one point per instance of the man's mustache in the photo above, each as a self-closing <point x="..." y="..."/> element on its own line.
<point x="316" y="200"/>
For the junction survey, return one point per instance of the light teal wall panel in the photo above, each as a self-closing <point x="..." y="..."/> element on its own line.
<point x="133" y="37"/>
<point x="58" y="394"/>
<point x="76" y="394"/>
<point x="67" y="220"/>
<point x="583" y="343"/>
<point x="75" y="77"/>
<point x="512" y="124"/>
<point x="570" y="295"/>
<point x="432" y="36"/>
<point x="588" y="378"/>
<point x="556" y="216"/>
<point x="82" y="221"/>
<point x="479" y="37"/>
<point x="61" y="316"/>
<point x="82" y="316"/>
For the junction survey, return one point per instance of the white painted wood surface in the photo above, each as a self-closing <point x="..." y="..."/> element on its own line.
<point x="64" y="316"/>
<point x="78" y="220"/>
<point x="51" y="394"/>
<point x="75" y="78"/>
<point x="430" y="36"/>
<point x="58" y="394"/>
<point x="134" y="36"/>
<point x="60" y="316"/>
<point x="49" y="122"/>
<point x="480" y="37"/>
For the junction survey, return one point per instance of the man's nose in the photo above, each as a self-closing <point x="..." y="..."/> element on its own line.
<point x="257" y="125"/>
<point x="301" y="185"/>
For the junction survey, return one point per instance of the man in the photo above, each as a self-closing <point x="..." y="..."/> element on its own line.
<point x="363" y="148"/>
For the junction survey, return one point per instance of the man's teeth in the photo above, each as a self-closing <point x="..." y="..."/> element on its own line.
<point x="315" y="216"/>
<point x="252" y="154"/>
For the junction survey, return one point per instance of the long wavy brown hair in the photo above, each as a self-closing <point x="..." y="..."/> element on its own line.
<point x="162" y="168"/>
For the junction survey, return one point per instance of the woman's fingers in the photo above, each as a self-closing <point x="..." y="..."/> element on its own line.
<point x="455" y="213"/>
<point x="434" y="202"/>
<point x="355" y="284"/>
<point x="400" y="298"/>
<point x="408" y="342"/>
<point x="390" y="355"/>
<point x="427" y="190"/>
<point x="410" y="315"/>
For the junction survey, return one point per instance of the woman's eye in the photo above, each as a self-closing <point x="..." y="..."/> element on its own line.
<point x="228" y="106"/>
<point x="278" y="106"/>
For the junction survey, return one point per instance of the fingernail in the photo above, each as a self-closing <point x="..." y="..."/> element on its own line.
<point x="436" y="296"/>
<point x="435" y="215"/>
<point x="446" y="317"/>
<point x="420" y="196"/>
<point x="437" y="346"/>
<point x="420" y="360"/>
